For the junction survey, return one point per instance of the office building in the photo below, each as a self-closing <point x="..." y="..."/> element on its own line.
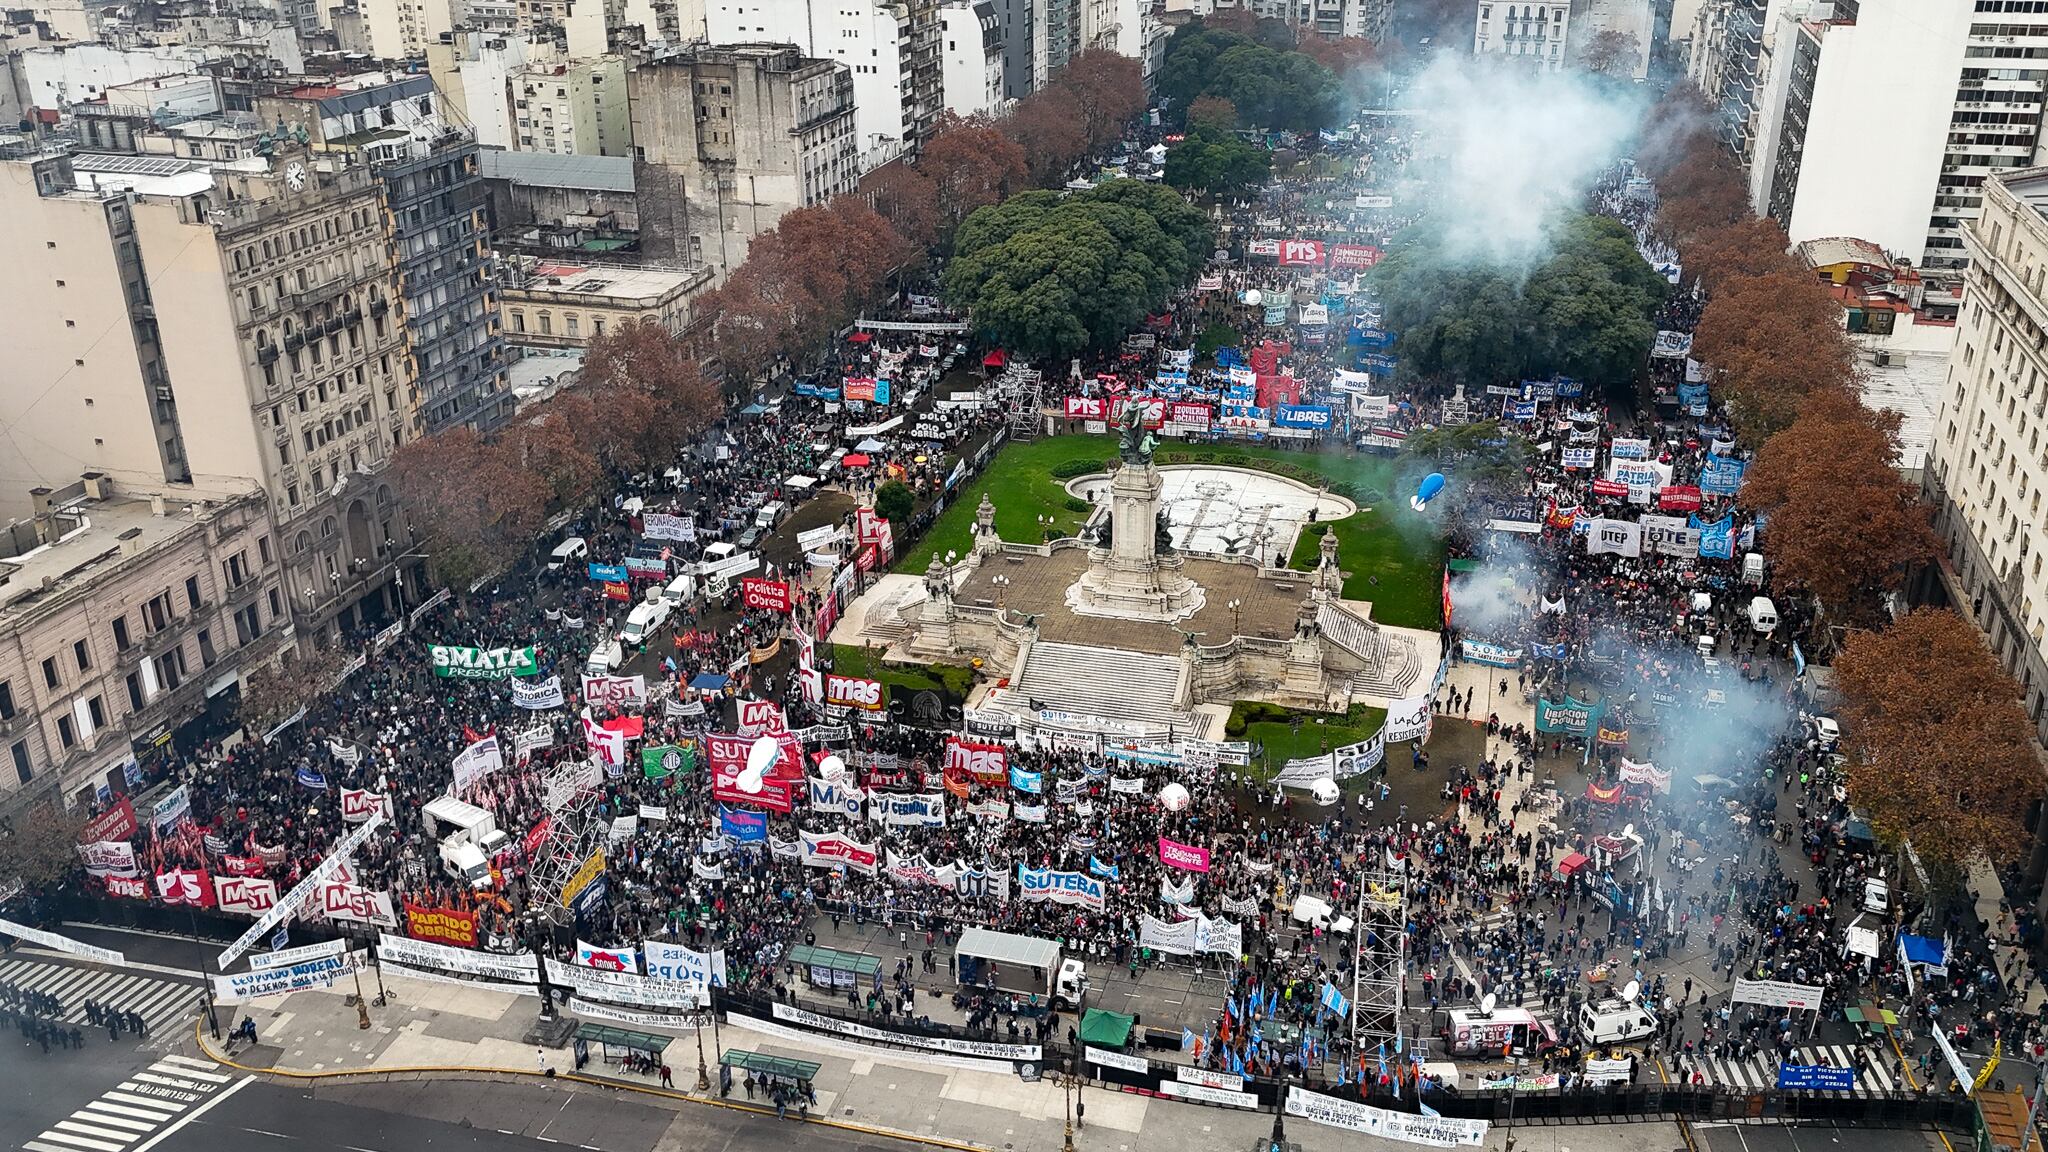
<point x="556" y="305"/>
<point x="1529" y="29"/>
<point x="971" y="57"/>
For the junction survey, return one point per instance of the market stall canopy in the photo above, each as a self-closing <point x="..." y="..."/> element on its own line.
<point x="753" y="410"/>
<point x="856" y="460"/>
<point x="1572" y="863"/>
<point x="995" y="359"/>
<point x="709" y="682"/>
<point x="1104" y="1028"/>
<point x="870" y="445"/>
<point x="800" y="481"/>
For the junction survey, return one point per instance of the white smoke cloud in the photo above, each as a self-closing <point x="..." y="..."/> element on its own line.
<point x="1514" y="146"/>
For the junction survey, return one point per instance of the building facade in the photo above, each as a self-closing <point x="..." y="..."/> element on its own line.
<point x="972" y="57"/>
<point x="1530" y="30"/>
<point x="728" y="139"/>
<point x="126" y="626"/>
<point x="572" y="108"/>
<point x="560" y="305"/>
<point x="210" y="330"/>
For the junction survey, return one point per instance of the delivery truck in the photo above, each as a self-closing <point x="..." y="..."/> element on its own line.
<point x="1026" y="966"/>
<point x="469" y="838"/>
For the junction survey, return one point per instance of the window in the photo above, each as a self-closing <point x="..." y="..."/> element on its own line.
<point x="97" y="709"/>
<point x="80" y="653"/>
<point x="156" y="614"/>
<point x="263" y="548"/>
<point x="67" y="735"/>
<point x="207" y="656"/>
<point x="248" y="627"/>
<point x="6" y="699"/>
<point x="121" y="640"/>
<point x="236" y="568"/>
<point x="22" y="771"/>
<point x="135" y="700"/>
<point x="276" y="605"/>
<point x="50" y="672"/>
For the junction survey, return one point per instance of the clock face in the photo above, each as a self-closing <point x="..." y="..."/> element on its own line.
<point x="295" y="175"/>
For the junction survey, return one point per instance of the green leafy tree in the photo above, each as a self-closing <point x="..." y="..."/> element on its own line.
<point x="1270" y="86"/>
<point x="1216" y="161"/>
<point x="893" y="502"/>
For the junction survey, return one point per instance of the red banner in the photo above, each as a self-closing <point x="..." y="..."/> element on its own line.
<point x="1353" y="255"/>
<point x="536" y="836"/>
<point x="1679" y="498"/>
<point x="1085" y="408"/>
<point x="865" y="559"/>
<point x="1609" y="488"/>
<point x="853" y="692"/>
<point x="251" y="897"/>
<point x="1191" y="415"/>
<point x="116" y="823"/>
<point x="1302" y="253"/>
<point x="767" y="595"/>
<point x="987" y="763"/>
<point x="185" y="886"/>
<point x="242" y="865"/>
<point x="728" y="757"/>
<point x="440" y="925"/>
<point x="128" y="887"/>
<point x="860" y="388"/>
<point x="1276" y="390"/>
<point x="613" y="590"/>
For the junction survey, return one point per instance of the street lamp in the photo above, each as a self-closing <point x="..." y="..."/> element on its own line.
<point x="703" y="1075"/>
<point x="1001" y="582"/>
<point x="1514" y="1079"/>
<point x="1067" y="1084"/>
<point x="1236" y="607"/>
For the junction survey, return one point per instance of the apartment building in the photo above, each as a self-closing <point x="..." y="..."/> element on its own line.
<point x="971" y="57"/>
<point x="1528" y="29"/>
<point x="556" y="305"/>
<point x="572" y="108"/>
<point x="194" y="334"/>
<point x="728" y="139"/>
<point x="126" y="626"/>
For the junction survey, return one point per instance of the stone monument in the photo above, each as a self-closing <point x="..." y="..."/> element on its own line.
<point x="1135" y="574"/>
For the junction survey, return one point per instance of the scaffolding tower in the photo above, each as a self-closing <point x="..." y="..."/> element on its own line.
<point x="1379" y="979"/>
<point x="1026" y="390"/>
<point x="574" y="832"/>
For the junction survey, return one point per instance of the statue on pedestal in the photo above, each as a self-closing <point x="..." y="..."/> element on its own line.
<point x="1134" y="444"/>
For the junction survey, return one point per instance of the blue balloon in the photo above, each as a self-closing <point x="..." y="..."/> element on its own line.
<point x="1431" y="485"/>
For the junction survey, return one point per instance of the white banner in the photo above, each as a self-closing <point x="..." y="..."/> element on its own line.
<point x="1173" y="939"/>
<point x="1408" y="1127"/>
<point x="477" y="761"/>
<point x="265" y="961"/>
<point x="679" y="962"/>
<point x="239" y="986"/>
<point x="616" y="692"/>
<point x="983" y="1048"/>
<point x="1110" y="1059"/>
<point x="247" y="895"/>
<point x="341" y="900"/>
<point x="677" y="1021"/>
<point x="1218" y="936"/>
<point x="925" y="809"/>
<point x="625" y="987"/>
<point x="544" y="694"/>
<point x="519" y="968"/>
<point x="103" y="857"/>
<point x="1776" y="994"/>
<point x="336" y="860"/>
<point x="1621" y="537"/>
<point x="1208" y="1095"/>
<point x="1608" y="1071"/>
<point x="663" y="526"/>
<point x="62" y="943"/>
<point x="358" y="805"/>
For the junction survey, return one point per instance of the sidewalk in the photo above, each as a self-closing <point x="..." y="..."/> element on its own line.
<point x="436" y="1029"/>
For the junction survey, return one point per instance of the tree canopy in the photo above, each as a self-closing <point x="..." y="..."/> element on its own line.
<point x="1585" y="312"/>
<point x="1047" y="274"/>
<point x="1940" y="749"/>
<point x="1270" y="87"/>
<point x="1215" y="160"/>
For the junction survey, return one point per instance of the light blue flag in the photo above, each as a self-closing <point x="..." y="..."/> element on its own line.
<point x="1187" y="1040"/>
<point x="1426" y="1109"/>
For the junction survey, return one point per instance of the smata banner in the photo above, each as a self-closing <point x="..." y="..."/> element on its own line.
<point x="483" y="663"/>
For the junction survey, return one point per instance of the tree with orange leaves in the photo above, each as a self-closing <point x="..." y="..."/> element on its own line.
<point x="1841" y="523"/>
<point x="970" y="163"/>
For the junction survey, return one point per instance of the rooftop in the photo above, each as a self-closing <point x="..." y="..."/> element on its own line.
<point x="2029" y="186"/>
<point x="93" y="536"/>
<point x="607" y="281"/>
<point x="550" y="170"/>
<point x="1824" y="251"/>
<point x="1910" y="386"/>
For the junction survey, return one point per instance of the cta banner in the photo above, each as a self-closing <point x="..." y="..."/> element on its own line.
<point x="831" y="850"/>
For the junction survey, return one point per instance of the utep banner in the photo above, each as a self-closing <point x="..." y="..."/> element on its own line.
<point x="1185" y="857"/>
<point x="483" y="663"/>
<point x="1060" y="887"/>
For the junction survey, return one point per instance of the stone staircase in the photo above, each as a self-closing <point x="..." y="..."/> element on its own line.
<point x="885" y="623"/>
<point x="1392" y="664"/>
<point x="1135" y="687"/>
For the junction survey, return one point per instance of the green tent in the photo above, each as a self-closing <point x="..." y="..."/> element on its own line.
<point x="1105" y="1029"/>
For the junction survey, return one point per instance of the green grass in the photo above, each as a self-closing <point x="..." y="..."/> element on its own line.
<point x="1391" y="560"/>
<point x="852" y="660"/>
<point x="1272" y="726"/>
<point x="1213" y="337"/>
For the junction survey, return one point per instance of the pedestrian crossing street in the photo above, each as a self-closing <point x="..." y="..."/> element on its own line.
<point x="162" y="1003"/>
<point x="1762" y="1071"/>
<point x="173" y="1089"/>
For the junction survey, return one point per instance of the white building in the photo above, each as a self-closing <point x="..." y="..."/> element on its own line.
<point x="1527" y="28"/>
<point x="1988" y="473"/>
<point x="1628" y="18"/>
<point x="1961" y="105"/>
<point x="971" y="57"/>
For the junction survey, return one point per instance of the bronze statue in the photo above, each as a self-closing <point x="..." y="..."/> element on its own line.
<point x="1134" y="444"/>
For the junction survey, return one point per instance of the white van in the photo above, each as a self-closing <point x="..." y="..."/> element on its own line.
<point x="604" y="658"/>
<point x="1763" y="615"/>
<point x="643" y="622"/>
<point x="1474" y="1032"/>
<point x="770" y="514"/>
<point x="1753" y="569"/>
<point x="574" y="550"/>
<point x="1615" y="1022"/>
<point x="680" y="590"/>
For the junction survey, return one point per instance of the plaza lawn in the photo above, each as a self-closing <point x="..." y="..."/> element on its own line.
<point x="853" y="660"/>
<point x="1271" y="725"/>
<point x="1394" y="563"/>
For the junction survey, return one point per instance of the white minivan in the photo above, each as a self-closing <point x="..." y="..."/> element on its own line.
<point x="574" y="550"/>
<point x="1615" y="1022"/>
<point x="642" y="622"/>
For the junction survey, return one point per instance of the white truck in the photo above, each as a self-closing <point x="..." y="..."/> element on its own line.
<point x="469" y="838"/>
<point x="1022" y="965"/>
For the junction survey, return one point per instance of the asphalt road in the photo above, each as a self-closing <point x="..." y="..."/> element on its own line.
<point x="1813" y="1138"/>
<point x="449" y="1116"/>
<point x="41" y="1090"/>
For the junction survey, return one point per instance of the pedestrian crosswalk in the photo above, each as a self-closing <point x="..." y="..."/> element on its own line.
<point x="168" y="1091"/>
<point x="161" y="1003"/>
<point x="1762" y="1071"/>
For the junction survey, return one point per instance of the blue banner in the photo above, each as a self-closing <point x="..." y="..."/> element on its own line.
<point x="310" y="777"/>
<point x="1302" y="416"/>
<point x="615" y="573"/>
<point x="1378" y="362"/>
<point x="1104" y="870"/>
<point x="1518" y="409"/>
<point x="1566" y="386"/>
<point x="1022" y="781"/>
<point x="1722" y="475"/>
<point x="881" y="391"/>
<point x="1693" y="398"/>
<point x="742" y="825"/>
<point x="1717" y="540"/>
<point x="1820" y="1077"/>
<point x="817" y="390"/>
